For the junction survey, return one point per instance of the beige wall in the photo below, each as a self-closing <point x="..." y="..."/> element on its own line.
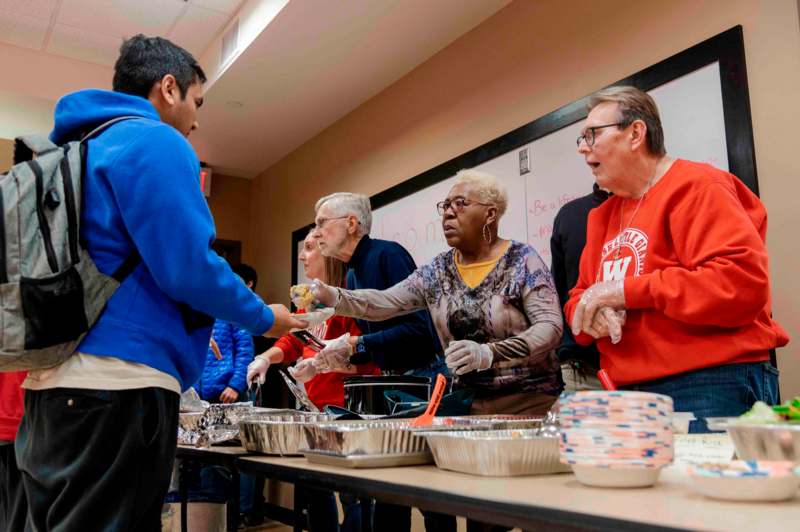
<point x="522" y="63"/>
<point x="228" y="202"/>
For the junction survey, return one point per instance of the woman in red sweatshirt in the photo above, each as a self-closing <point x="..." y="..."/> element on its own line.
<point x="674" y="280"/>
<point x="13" y="507"/>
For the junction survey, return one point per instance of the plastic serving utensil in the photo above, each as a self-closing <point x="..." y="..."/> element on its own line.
<point x="298" y="392"/>
<point x="426" y="419"/>
<point x="606" y="381"/>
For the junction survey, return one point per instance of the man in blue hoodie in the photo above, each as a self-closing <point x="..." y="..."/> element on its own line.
<point x="97" y="442"/>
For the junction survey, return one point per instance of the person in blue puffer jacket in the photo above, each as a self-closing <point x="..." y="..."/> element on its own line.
<point x="224" y="380"/>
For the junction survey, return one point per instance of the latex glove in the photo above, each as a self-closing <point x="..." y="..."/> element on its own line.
<point x="284" y="322"/>
<point x="229" y="395"/>
<point x="463" y="356"/>
<point x="304" y="370"/>
<point x="325" y="295"/>
<point x="606" y="294"/>
<point x="336" y="355"/>
<point x="257" y="371"/>
<point x="215" y="348"/>
<point x="607" y="322"/>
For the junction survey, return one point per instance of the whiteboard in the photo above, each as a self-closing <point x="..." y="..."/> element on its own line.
<point x="694" y="128"/>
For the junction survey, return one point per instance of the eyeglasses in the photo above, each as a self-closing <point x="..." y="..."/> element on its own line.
<point x="591" y="132"/>
<point x="320" y="222"/>
<point x="458" y="205"/>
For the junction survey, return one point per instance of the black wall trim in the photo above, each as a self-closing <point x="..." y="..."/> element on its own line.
<point x="727" y="48"/>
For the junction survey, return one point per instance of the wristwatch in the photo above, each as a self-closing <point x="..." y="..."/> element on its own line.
<point x="360" y="355"/>
<point x="360" y="346"/>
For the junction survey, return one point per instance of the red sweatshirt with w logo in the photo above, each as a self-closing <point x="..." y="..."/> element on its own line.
<point x="697" y="287"/>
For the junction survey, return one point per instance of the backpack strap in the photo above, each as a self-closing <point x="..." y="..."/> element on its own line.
<point x="102" y="127"/>
<point x="127" y="266"/>
<point x="134" y="259"/>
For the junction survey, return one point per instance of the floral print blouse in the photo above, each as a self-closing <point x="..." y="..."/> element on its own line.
<point x="515" y="310"/>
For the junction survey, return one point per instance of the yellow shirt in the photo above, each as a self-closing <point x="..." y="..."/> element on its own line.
<point x="473" y="274"/>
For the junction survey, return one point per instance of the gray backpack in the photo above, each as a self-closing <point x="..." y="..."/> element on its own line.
<point x="51" y="293"/>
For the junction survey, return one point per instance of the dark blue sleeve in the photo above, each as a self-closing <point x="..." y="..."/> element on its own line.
<point x="408" y="341"/>
<point x="242" y="356"/>
<point x="168" y="220"/>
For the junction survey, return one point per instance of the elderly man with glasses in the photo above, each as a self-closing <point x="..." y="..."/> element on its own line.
<point x="674" y="280"/>
<point x="492" y="300"/>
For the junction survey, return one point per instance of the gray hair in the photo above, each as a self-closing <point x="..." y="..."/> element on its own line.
<point x="346" y="203"/>
<point x="486" y="186"/>
<point x="634" y="104"/>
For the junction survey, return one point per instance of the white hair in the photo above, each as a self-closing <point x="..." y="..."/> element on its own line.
<point x="346" y="203"/>
<point x="486" y="187"/>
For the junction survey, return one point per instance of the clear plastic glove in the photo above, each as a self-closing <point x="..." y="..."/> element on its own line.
<point x="606" y="294"/>
<point x="607" y="322"/>
<point x="336" y="355"/>
<point x="304" y="371"/>
<point x="463" y="356"/>
<point x="325" y="295"/>
<point x="257" y="371"/>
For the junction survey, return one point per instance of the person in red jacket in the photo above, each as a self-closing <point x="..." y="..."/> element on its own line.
<point x="13" y="506"/>
<point x="674" y="280"/>
<point x="323" y="388"/>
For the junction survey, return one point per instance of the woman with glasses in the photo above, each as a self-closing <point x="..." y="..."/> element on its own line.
<point x="492" y="300"/>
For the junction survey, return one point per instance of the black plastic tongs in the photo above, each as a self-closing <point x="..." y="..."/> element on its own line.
<point x="310" y="340"/>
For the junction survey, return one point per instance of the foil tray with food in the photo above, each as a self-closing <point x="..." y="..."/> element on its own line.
<point x="501" y="453"/>
<point x="215" y="424"/>
<point x="481" y="422"/>
<point x="364" y="437"/>
<point x="278" y="434"/>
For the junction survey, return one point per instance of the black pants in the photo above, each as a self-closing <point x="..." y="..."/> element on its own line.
<point x="13" y="507"/>
<point x="394" y="518"/>
<point x="97" y="460"/>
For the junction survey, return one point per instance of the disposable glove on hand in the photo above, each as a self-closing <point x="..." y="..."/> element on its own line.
<point x="257" y="371"/>
<point x="608" y="322"/>
<point x="325" y="295"/>
<point x="463" y="356"/>
<point x="304" y="371"/>
<point x="336" y="355"/>
<point x="606" y="294"/>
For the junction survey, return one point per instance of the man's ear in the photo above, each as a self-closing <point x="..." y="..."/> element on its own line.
<point x="352" y="225"/>
<point x="168" y="89"/>
<point x="638" y="134"/>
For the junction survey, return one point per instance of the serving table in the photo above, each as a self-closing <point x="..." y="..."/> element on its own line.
<point x="549" y="502"/>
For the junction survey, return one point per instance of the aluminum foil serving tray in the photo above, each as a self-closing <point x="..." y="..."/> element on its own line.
<point x="497" y="453"/>
<point x="364" y="461"/>
<point x="215" y="424"/>
<point x="281" y="434"/>
<point x="483" y="422"/>
<point x="364" y="437"/>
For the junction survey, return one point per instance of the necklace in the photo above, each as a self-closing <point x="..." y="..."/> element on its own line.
<point x="618" y="249"/>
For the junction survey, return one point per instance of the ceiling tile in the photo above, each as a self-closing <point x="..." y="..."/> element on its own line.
<point x="196" y="28"/>
<point x="85" y="46"/>
<point x="228" y="7"/>
<point x="121" y="18"/>
<point x="23" y="30"/>
<point x="32" y="8"/>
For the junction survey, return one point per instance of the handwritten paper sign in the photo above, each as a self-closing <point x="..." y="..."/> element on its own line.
<point x="699" y="448"/>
